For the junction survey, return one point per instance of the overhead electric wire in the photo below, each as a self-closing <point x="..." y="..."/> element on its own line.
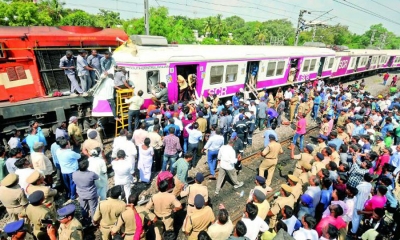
<point x="385" y="6"/>
<point x="321" y="15"/>
<point x="351" y="5"/>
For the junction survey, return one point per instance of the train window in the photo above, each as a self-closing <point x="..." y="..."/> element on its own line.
<point x="330" y="65"/>
<point x="280" y="68"/>
<point x="312" y="66"/>
<point x="153" y="81"/>
<point x="216" y="74"/>
<point x="306" y="65"/>
<point x="271" y="69"/>
<point x="231" y="73"/>
<point x="2" y="52"/>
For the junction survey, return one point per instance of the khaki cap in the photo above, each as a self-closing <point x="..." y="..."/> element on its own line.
<point x="9" y="180"/>
<point x="286" y="187"/>
<point x="33" y="177"/>
<point x="306" y="166"/>
<point x="293" y="178"/>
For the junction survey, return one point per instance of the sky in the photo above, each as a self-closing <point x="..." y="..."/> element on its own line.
<point x="359" y="15"/>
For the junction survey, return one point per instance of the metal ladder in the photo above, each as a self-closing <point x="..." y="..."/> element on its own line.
<point x="122" y="109"/>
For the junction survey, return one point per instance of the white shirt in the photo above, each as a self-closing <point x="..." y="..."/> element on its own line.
<point x="254" y="227"/>
<point x="227" y="156"/>
<point x="350" y="209"/>
<point x="117" y="145"/>
<point x="340" y="203"/>
<point x="178" y="123"/>
<point x="130" y="148"/>
<point x="364" y="189"/>
<point x="288" y="95"/>
<point x="98" y="166"/>
<point x="123" y="171"/>
<point x="106" y="89"/>
<point x="302" y="234"/>
<point x="23" y="174"/>
<point x="13" y="142"/>
<point x="290" y="223"/>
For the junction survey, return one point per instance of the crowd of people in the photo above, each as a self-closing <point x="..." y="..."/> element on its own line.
<point x="343" y="186"/>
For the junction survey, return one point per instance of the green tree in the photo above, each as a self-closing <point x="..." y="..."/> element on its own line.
<point x="209" y="41"/>
<point x="25" y="14"/>
<point x="209" y="25"/>
<point x="108" y="18"/>
<point x="79" y="18"/>
<point x="219" y="26"/>
<point x="55" y="9"/>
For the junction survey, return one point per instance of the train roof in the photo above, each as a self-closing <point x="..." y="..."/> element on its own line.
<point x="131" y="53"/>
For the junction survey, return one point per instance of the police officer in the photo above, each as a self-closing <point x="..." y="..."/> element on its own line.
<point x="70" y="228"/>
<point x="302" y="157"/>
<point x="35" y="212"/>
<point x="164" y="205"/>
<point x="16" y="230"/>
<point x="285" y="198"/>
<point x="240" y="127"/>
<point x="192" y="190"/>
<point x="199" y="219"/>
<point x="303" y="107"/>
<point x="297" y="188"/>
<point x="270" y="153"/>
<point x="127" y="223"/>
<point x="293" y="103"/>
<point x="305" y="174"/>
<point x="12" y="196"/>
<point x="36" y="183"/>
<point x="108" y="211"/>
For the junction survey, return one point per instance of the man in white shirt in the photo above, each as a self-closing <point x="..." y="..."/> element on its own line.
<point x="195" y="136"/>
<point x="24" y="170"/>
<point x="307" y="231"/>
<point x="289" y="219"/>
<point x="130" y="150"/>
<point x="136" y="103"/>
<point x="177" y="121"/>
<point x="227" y="158"/>
<point x="15" y="141"/>
<point x="254" y="223"/>
<point x="288" y="95"/>
<point x="118" y="143"/>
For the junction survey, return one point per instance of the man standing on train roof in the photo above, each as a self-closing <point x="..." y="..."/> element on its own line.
<point x="106" y="62"/>
<point x="83" y="70"/>
<point x="68" y="64"/>
<point x="93" y="61"/>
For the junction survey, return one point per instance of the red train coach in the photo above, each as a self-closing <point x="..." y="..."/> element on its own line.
<point x="29" y="71"/>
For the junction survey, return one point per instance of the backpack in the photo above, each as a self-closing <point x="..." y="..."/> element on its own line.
<point x="166" y="175"/>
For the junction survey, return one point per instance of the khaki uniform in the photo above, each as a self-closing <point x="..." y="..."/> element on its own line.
<point x="271" y="101"/>
<point x="303" y="108"/>
<point x="72" y="231"/>
<point x="378" y="147"/>
<point x="280" y="203"/>
<point x="293" y="103"/>
<point x="202" y="124"/>
<point x="270" y="154"/>
<point x="341" y="121"/>
<point x="319" y="148"/>
<point x="35" y="214"/>
<point x="316" y="167"/>
<point x="163" y="204"/>
<point x="324" y="129"/>
<point x="90" y="144"/>
<point x="263" y="209"/>
<point x="350" y="128"/>
<point x="191" y="191"/>
<point x="49" y="194"/>
<point x="310" y="105"/>
<point x="127" y="223"/>
<point x="302" y="158"/>
<point x="344" y="137"/>
<point x="197" y="221"/>
<point x="304" y="176"/>
<point x="14" y="199"/>
<point x="107" y="212"/>
<point x="260" y="94"/>
<point x="297" y="190"/>
<point x="336" y="158"/>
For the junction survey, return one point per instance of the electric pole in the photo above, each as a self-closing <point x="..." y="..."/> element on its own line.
<point x="146" y="17"/>
<point x="299" y="23"/>
<point x="383" y="41"/>
<point x="372" y="37"/>
<point x="313" y="34"/>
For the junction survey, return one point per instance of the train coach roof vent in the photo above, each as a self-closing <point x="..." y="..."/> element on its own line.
<point x="340" y="48"/>
<point x="314" y="44"/>
<point x="145" y="40"/>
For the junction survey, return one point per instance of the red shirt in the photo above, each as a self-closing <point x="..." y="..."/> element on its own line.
<point x="301" y="126"/>
<point x="375" y="202"/>
<point x="337" y="222"/>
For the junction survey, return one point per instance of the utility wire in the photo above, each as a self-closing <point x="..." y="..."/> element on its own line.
<point x="385" y="6"/>
<point x="321" y="15"/>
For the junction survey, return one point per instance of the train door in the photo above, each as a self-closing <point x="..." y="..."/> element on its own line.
<point x="368" y="63"/>
<point x="391" y="59"/>
<point x="186" y="76"/>
<point x="252" y="73"/>
<point x="321" y="66"/>
<point x="355" y="66"/>
<point x="294" y="71"/>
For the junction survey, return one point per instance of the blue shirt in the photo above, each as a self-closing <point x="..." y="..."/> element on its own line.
<point x="53" y="149"/>
<point x="266" y="136"/>
<point x="106" y="63"/>
<point x="317" y="100"/>
<point x="94" y="61"/>
<point x="214" y="143"/>
<point x="68" y="160"/>
<point x="359" y="130"/>
<point x="391" y="200"/>
<point x="65" y="62"/>
<point x="338" y="142"/>
<point x="235" y="100"/>
<point x="386" y="128"/>
<point x="177" y="130"/>
<point x="30" y="140"/>
<point x="80" y="66"/>
<point x="325" y="197"/>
